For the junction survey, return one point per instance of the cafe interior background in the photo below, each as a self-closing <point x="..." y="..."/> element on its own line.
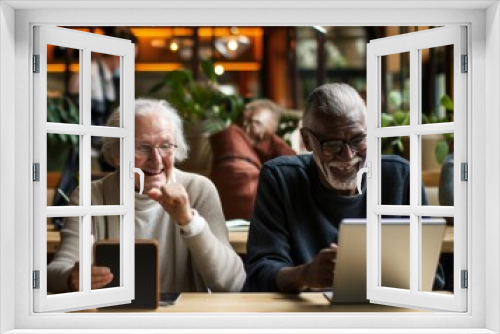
<point x="227" y="67"/>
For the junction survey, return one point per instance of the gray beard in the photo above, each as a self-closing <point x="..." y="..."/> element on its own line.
<point x="335" y="183"/>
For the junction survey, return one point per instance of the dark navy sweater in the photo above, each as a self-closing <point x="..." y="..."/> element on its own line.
<point x="295" y="216"/>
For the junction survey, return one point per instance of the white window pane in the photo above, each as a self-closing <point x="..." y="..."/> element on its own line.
<point x="105" y="160"/>
<point x="437" y="93"/>
<point x="395" y="84"/>
<point x="63" y="167"/>
<point x="107" y="254"/>
<point x="395" y="254"/>
<point x="59" y="260"/>
<point x="104" y="86"/>
<point x="437" y="249"/>
<point x="435" y="149"/>
<point x="62" y="85"/>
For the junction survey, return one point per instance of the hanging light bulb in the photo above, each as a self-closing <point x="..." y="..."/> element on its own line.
<point x="232" y="46"/>
<point x="219" y="69"/>
<point x="174" y="46"/>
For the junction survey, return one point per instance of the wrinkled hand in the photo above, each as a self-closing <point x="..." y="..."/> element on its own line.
<point x="319" y="272"/>
<point x="100" y="277"/>
<point x="175" y="201"/>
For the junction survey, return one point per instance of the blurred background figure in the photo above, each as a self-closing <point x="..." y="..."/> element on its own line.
<point x="240" y="151"/>
<point x="260" y="122"/>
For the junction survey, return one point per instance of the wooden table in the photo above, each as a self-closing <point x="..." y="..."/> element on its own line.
<point x="260" y="302"/>
<point x="239" y="241"/>
<point x="448" y="240"/>
<point x="53" y="240"/>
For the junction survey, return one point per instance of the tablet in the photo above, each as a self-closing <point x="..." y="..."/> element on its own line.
<point x="147" y="278"/>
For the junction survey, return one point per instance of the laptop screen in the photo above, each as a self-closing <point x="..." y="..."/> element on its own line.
<point x="350" y="269"/>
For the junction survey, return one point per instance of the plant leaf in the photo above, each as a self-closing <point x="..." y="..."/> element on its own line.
<point x="399" y="143"/>
<point x="447" y="102"/>
<point x="386" y="119"/>
<point x="401" y="117"/>
<point x="441" y="151"/>
<point x="208" y="69"/>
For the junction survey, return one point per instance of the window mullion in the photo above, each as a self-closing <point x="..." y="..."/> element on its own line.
<point x="415" y="175"/>
<point x="85" y="235"/>
<point x="85" y="255"/>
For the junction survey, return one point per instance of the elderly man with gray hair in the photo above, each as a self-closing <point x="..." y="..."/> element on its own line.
<point x="301" y="199"/>
<point x="180" y="210"/>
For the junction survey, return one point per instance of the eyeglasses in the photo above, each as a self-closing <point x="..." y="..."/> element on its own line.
<point x="333" y="147"/>
<point x="145" y="150"/>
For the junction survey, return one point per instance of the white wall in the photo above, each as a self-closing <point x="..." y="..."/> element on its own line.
<point x="483" y="104"/>
<point x="7" y="185"/>
<point x="492" y="165"/>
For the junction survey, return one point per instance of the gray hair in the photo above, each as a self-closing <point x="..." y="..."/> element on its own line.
<point x="335" y="99"/>
<point x="111" y="146"/>
<point x="259" y="104"/>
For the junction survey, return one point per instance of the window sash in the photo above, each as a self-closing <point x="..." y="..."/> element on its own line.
<point x="413" y="42"/>
<point x="86" y="43"/>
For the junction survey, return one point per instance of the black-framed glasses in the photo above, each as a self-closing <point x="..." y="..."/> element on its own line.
<point x="331" y="147"/>
<point x="145" y="150"/>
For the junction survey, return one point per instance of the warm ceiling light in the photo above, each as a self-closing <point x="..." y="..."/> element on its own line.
<point x="158" y="43"/>
<point x="232" y="46"/>
<point x="219" y="69"/>
<point x="174" y="46"/>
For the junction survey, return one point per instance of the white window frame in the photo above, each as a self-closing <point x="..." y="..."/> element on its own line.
<point x="413" y="43"/>
<point x="86" y="43"/>
<point x="482" y="316"/>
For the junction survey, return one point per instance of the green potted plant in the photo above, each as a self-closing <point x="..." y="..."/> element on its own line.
<point x="399" y="117"/>
<point x="441" y="144"/>
<point x="445" y="145"/>
<point x="289" y="121"/>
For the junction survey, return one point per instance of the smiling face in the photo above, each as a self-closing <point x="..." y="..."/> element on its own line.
<point x="153" y="130"/>
<point x="338" y="171"/>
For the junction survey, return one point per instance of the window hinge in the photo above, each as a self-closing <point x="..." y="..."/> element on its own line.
<point x="36" y="172"/>
<point x="464" y="171"/>
<point x="36" y="63"/>
<point x="36" y="279"/>
<point x="465" y="279"/>
<point x="465" y="64"/>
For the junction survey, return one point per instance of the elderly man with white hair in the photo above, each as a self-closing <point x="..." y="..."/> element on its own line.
<point x="180" y="210"/>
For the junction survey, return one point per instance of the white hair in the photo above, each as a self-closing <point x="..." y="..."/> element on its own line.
<point x="111" y="146"/>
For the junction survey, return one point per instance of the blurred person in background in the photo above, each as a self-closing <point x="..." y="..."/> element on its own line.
<point x="240" y="151"/>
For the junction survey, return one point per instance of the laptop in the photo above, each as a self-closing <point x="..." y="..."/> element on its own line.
<point x="349" y="284"/>
<point x="147" y="279"/>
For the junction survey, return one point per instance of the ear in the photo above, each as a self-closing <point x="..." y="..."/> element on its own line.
<point x="306" y="139"/>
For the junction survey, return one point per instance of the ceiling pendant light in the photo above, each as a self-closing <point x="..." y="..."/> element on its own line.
<point x="232" y="46"/>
